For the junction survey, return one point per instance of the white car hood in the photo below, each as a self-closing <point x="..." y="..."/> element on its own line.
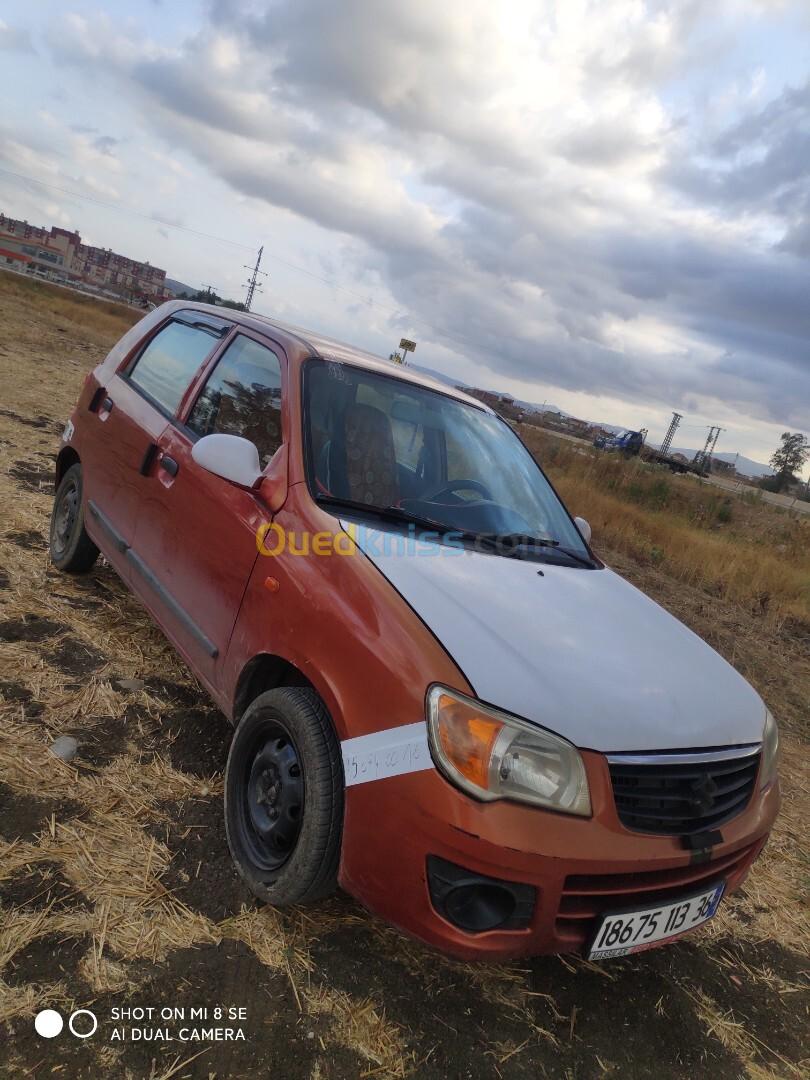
<point x="581" y="652"/>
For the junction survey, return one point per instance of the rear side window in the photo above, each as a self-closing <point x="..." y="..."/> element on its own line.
<point x="170" y="361"/>
<point x="243" y="397"/>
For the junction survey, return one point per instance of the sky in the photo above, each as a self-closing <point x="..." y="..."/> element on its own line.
<point x="601" y="204"/>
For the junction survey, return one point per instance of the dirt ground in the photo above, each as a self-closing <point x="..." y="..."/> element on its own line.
<point x="116" y="888"/>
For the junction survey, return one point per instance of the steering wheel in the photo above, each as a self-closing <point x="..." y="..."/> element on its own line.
<point x="460" y="485"/>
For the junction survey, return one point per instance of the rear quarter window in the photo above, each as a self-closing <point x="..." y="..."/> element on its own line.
<point x="170" y="361"/>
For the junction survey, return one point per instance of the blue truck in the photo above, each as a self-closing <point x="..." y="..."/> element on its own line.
<point x="626" y="442"/>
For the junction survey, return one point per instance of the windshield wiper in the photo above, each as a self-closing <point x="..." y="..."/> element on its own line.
<point x="516" y="540"/>
<point x="585" y="560"/>
<point x="509" y="544"/>
<point x="396" y="513"/>
<point x="505" y="544"/>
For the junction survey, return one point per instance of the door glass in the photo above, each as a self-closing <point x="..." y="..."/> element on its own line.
<point x="243" y="397"/>
<point x="170" y="361"/>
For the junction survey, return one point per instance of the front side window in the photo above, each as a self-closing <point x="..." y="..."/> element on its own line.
<point x="170" y="361"/>
<point x="243" y="397"/>
<point x="380" y="444"/>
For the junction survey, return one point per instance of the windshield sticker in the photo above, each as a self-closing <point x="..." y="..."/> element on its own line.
<point x="386" y="753"/>
<point x="336" y="371"/>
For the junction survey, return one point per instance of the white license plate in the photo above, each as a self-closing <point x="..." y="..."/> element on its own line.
<point x="632" y="931"/>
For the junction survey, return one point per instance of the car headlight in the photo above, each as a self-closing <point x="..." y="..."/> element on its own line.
<point x="770" y="752"/>
<point x="493" y="755"/>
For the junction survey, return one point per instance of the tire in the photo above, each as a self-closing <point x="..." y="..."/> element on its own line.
<point x="72" y="549"/>
<point x="285" y="758"/>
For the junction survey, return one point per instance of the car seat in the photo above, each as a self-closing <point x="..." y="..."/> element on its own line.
<point x="362" y="459"/>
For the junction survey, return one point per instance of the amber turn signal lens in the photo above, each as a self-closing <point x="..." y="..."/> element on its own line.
<point x="491" y="754"/>
<point x="467" y="738"/>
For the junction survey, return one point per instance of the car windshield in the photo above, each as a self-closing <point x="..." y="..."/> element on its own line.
<point x="396" y="449"/>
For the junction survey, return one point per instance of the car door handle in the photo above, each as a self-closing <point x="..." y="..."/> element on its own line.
<point x="148" y="458"/>
<point x="108" y="404"/>
<point x="170" y="465"/>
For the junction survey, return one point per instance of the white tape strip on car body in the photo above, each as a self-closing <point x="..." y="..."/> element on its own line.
<point x="386" y="753"/>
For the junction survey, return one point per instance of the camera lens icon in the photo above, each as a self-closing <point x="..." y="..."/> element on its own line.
<point x="49" y="1023"/>
<point x="83" y="1034"/>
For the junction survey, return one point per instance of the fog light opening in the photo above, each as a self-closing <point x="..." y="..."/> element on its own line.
<point x="479" y="907"/>
<point x="476" y="903"/>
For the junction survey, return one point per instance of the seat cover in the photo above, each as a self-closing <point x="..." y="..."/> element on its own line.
<point x="371" y="465"/>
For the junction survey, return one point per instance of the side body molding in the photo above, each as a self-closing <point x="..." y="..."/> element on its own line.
<point x="147" y="575"/>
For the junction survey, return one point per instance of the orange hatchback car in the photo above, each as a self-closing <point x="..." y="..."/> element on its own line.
<point x="443" y="700"/>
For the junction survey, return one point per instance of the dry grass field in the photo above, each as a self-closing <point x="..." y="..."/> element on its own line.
<point x="115" y="884"/>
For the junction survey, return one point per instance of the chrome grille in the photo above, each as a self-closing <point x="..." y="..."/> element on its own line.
<point x="677" y="794"/>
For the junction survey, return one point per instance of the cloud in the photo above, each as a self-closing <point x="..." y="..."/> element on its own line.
<point x="105" y="144"/>
<point x="757" y="163"/>
<point x="15" y="39"/>
<point x="530" y="182"/>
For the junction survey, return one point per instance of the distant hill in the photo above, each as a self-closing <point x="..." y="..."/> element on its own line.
<point x="178" y="287"/>
<point x="745" y="466"/>
<point x="532" y="406"/>
<point x="434" y="374"/>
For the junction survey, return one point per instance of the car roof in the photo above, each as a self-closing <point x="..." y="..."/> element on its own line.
<point x="329" y="349"/>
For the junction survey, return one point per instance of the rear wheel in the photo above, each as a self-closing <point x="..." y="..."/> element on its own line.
<point x="71" y="548"/>
<point x="284" y="797"/>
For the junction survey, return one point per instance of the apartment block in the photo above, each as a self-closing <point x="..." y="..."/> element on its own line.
<point x="59" y="255"/>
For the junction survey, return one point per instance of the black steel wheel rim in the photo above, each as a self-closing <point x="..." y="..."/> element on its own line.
<point x="272" y="798"/>
<point x="65" y="514"/>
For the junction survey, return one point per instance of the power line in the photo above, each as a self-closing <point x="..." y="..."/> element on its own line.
<point x="331" y="283"/>
<point x="207" y="236"/>
<point x="437" y="331"/>
<point x="124" y="209"/>
<point x="398" y="313"/>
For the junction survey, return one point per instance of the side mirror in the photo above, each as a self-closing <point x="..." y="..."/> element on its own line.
<point x="229" y="456"/>
<point x="584" y="528"/>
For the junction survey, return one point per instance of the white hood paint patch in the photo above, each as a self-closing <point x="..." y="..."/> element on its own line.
<point x="580" y="652"/>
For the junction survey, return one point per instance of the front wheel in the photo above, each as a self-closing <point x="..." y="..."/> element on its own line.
<point x="284" y="797"/>
<point x="71" y="548"/>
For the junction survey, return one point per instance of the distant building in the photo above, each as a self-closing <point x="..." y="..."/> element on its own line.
<point x="60" y="255"/>
<point x="597" y="432"/>
<point x="719" y="465"/>
<point x="577" y="427"/>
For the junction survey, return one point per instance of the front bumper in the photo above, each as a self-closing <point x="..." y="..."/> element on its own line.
<point x="579" y="868"/>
